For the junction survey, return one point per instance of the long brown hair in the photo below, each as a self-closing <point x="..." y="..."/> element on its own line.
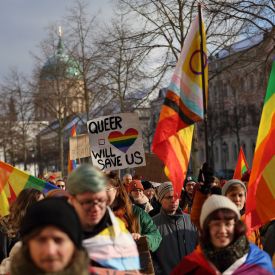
<point x="18" y="209"/>
<point x="123" y="202"/>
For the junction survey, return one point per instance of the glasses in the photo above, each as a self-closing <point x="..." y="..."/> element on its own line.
<point x="218" y="224"/>
<point x="61" y="186"/>
<point x="88" y="204"/>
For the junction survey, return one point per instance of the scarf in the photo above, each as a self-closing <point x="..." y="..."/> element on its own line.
<point x="22" y="264"/>
<point x="225" y="257"/>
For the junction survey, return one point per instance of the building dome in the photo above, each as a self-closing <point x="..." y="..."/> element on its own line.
<point x="60" y="65"/>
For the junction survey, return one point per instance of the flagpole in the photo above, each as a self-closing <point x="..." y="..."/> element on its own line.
<point x="203" y="87"/>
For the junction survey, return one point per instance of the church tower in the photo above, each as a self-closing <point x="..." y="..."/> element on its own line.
<point x="60" y="88"/>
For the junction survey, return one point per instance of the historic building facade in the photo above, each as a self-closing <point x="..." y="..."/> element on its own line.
<point x="237" y="85"/>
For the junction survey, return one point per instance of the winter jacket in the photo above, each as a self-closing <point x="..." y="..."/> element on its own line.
<point x="269" y="240"/>
<point x="148" y="228"/>
<point x="198" y="201"/>
<point x="6" y="242"/>
<point x="21" y="264"/>
<point x="179" y="238"/>
<point x="113" y="247"/>
<point x="255" y="261"/>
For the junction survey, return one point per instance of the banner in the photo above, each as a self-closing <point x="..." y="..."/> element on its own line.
<point x="116" y="142"/>
<point x="79" y="147"/>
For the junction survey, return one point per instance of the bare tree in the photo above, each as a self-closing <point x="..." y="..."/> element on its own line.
<point x="58" y="88"/>
<point x="129" y="74"/>
<point x="163" y="25"/>
<point x="81" y="28"/>
<point x="19" y="115"/>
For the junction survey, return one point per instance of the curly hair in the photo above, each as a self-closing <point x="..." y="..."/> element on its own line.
<point x="18" y="209"/>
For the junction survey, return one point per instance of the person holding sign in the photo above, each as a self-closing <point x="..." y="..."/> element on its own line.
<point x="106" y="239"/>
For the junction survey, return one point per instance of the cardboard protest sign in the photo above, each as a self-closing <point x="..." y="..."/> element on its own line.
<point x="116" y="141"/>
<point x="79" y="147"/>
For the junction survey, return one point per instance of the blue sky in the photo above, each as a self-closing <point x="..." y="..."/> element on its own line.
<point x="23" y="26"/>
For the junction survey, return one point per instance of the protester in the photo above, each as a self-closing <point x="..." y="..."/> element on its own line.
<point x="186" y="198"/>
<point x="60" y="183"/>
<point x="236" y="191"/>
<point x="246" y="176"/>
<point x="52" y="179"/>
<point x="215" y="182"/>
<point x="268" y="233"/>
<point x="127" y="178"/>
<point x="60" y="193"/>
<point x="10" y="225"/>
<point x="106" y="239"/>
<point x="149" y="192"/>
<point x="224" y="248"/>
<point x="179" y="236"/>
<point x="51" y="241"/>
<point x="137" y="221"/>
<point x="137" y="196"/>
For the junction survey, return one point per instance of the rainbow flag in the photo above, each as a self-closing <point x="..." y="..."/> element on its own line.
<point x="72" y="163"/>
<point x="12" y="181"/>
<point x="260" y="204"/>
<point x="241" y="166"/>
<point x="183" y="106"/>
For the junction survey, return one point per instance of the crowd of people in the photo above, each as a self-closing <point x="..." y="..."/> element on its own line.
<point x="95" y="221"/>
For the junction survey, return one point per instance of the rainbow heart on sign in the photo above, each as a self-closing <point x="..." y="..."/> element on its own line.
<point x="123" y="141"/>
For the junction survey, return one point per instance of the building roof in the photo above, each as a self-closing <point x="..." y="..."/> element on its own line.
<point x="60" y="63"/>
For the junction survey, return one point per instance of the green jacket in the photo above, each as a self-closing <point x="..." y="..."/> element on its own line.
<point x="148" y="228"/>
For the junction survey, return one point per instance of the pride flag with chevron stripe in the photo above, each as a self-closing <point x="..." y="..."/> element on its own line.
<point x="183" y="106"/>
<point x="12" y="181"/>
<point x="260" y="204"/>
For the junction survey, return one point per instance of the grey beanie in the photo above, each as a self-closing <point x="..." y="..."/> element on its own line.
<point x="163" y="189"/>
<point x="215" y="202"/>
<point x="85" y="178"/>
<point x="233" y="182"/>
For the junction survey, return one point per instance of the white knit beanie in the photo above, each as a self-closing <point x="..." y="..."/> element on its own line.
<point x="232" y="182"/>
<point x="215" y="202"/>
<point x="163" y="189"/>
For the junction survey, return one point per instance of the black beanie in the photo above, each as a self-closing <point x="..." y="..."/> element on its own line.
<point x="56" y="212"/>
<point x="147" y="184"/>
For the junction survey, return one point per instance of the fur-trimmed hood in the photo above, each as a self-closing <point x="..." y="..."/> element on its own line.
<point x="21" y="264"/>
